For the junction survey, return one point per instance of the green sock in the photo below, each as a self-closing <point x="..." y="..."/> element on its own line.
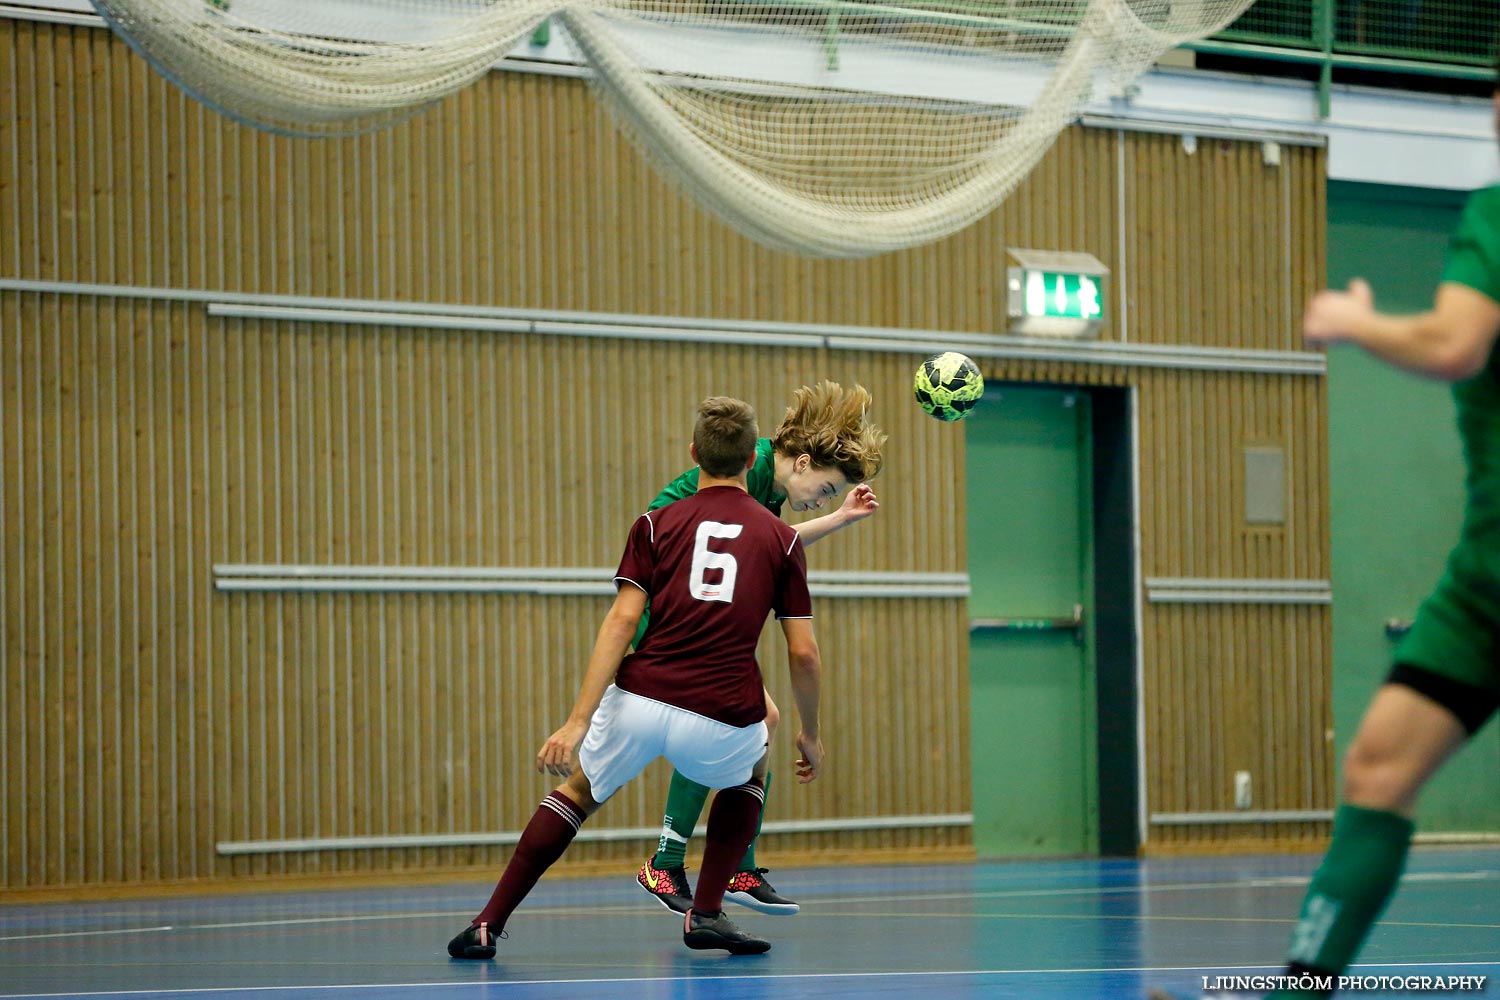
<point x="684" y="805"/>
<point x="1349" y="889"/>
<point x="748" y="865"/>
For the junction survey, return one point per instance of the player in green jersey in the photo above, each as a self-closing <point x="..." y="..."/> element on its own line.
<point x="1445" y="683"/>
<point x="824" y="445"/>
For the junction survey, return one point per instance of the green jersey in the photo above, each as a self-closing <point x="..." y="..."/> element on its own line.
<point x="760" y="483"/>
<point x="1474" y="260"/>
<point x="1454" y="632"/>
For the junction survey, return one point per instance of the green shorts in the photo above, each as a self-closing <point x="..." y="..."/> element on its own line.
<point x="1456" y="636"/>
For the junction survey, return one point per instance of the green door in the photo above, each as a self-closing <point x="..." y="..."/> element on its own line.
<point x="1032" y="716"/>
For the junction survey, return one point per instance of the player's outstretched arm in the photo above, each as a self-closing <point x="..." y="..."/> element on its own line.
<point x="556" y="755"/>
<point x="1450" y="341"/>
<point x="859" y="503"/>
<point x="806" y="669"/>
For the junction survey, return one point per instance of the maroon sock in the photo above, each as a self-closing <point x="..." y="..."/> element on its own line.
<point x="731" y="826"/>
<point x="543" y="841"/>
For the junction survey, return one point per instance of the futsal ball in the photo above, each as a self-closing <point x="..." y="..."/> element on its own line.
<point x="948" y="385"/>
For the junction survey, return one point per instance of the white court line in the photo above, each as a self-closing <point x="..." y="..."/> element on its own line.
<point x="1280" y="881"/>
<point x="347" y="919"/>
<point x="283" y="922"/>
<point x="496" y="984"/>
<point x="1276" y="882"/>
<point x="63" y="934"/>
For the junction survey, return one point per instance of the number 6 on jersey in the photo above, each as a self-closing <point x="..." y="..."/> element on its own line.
<point x="705" y="559"/>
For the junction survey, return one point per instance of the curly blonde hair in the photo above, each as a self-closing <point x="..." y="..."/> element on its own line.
<point x="828" y="423"/>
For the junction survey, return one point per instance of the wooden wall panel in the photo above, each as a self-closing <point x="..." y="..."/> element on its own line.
<point x="1231" y="690"/>
<point x="148" y="716"/>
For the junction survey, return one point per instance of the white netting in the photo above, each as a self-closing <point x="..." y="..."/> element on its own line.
<point x="833" y="128"/>
<point x="323" y="67"/>
<point x="873" y="127"/>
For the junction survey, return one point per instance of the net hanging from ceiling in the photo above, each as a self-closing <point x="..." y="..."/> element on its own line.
<point x="829" y="128"/>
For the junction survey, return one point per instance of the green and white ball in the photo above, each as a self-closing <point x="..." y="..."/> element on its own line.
<point x="948" y="385"/>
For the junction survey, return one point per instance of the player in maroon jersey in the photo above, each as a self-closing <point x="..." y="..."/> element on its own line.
<point x="713" y="565"/>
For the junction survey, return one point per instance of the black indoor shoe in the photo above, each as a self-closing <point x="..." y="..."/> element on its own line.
<point x="474" y="941"/>
<point x="705" y="933"/>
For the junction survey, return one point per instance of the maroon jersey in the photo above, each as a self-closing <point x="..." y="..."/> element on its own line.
<point x="714" y="565"/>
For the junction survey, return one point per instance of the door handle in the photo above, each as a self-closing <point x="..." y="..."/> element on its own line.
<point x="1032" y="624"/>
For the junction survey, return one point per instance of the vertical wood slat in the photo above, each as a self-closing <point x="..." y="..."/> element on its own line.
<point x="234" y="441"/>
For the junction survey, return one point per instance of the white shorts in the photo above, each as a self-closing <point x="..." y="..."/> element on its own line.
<point x="628" y="732"/>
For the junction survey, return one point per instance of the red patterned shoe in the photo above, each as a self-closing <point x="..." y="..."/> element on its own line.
<point x="668" y="885"/>
<point x="749" y="888"/>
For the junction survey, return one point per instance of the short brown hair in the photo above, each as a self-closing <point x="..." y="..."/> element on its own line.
<point x="724" y="436"/>
<point x="829" y="424"/>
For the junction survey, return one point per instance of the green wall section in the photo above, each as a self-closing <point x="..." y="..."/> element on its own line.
<point x="1396" y="478"/>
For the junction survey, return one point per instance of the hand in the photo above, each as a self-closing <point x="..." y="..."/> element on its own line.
<point x="859" y="503"/>
<point x="1332" y="315"/>
<point x="556" y="755"/>
<point x="811" y="761"/>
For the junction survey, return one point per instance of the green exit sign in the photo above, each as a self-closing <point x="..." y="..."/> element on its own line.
<point x="1053" y="293"/>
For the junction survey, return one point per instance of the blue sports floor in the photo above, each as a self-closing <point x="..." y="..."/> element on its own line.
<point x="1076" y="929"/>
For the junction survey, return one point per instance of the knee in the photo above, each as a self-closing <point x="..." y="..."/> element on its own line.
<point x="578" y="791"/>
<point x="1377" y="777"/>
